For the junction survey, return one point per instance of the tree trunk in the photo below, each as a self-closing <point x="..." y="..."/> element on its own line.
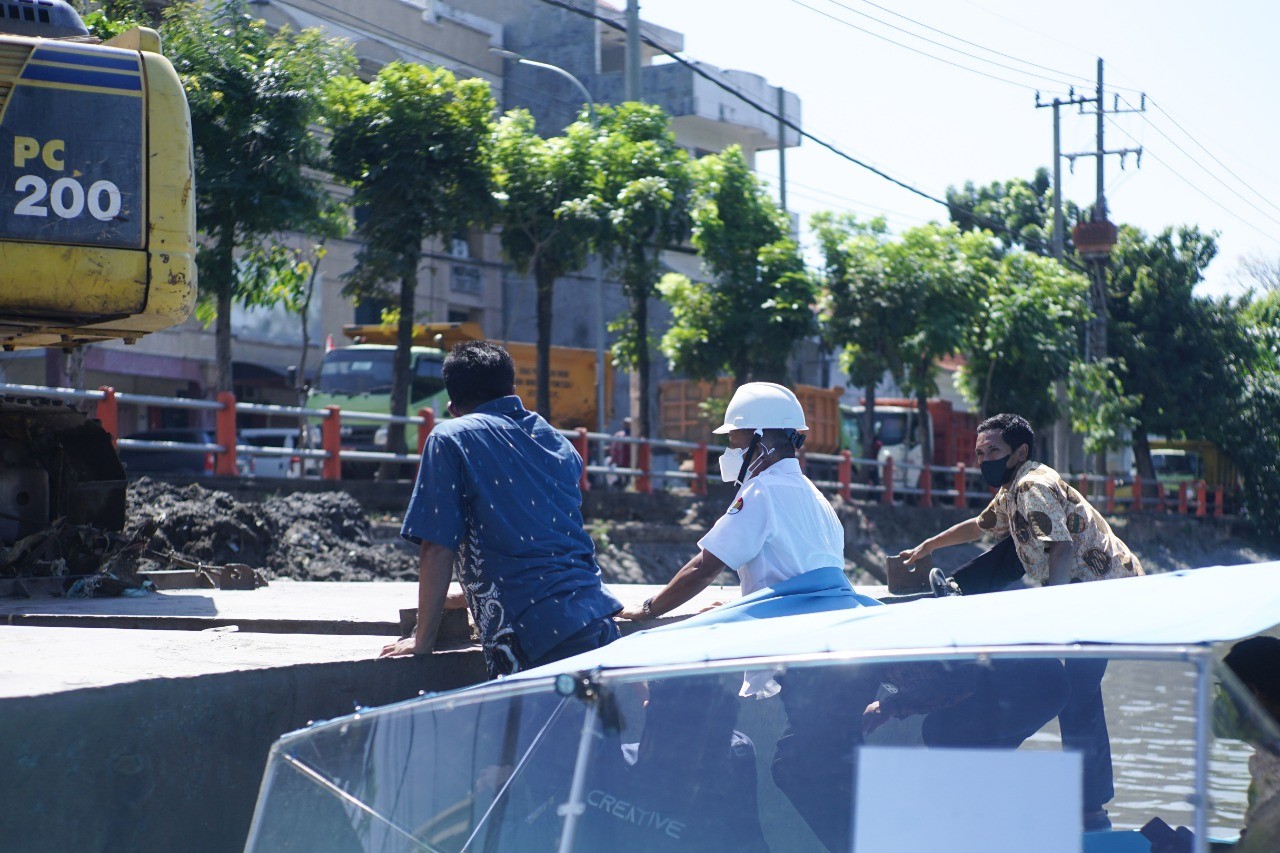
<point x="640" y="424"/>
<point x="869" y="422"/>
<point x="223" y="283"/>
<point x="925" y="427"/>
<point x="1142" y="459"/>
<point x="401" y="363"/>
<point x="545" y="282"/>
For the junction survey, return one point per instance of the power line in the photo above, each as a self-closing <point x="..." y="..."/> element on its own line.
<point x="1199" y="145"/>
<point x="1202" y="167"/>
<point x="884" y="23"/>
<point x="694" y="67"/>
<point x="1067" y="74"/>
<point x="923" y="53"/>
<point x="1210" y="198"/>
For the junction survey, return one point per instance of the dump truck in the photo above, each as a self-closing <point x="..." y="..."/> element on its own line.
<point x="683" y="415"/>
<point x="357" y="378"/>
<point x="97" y="238"/>
<point x="898" y="435"/>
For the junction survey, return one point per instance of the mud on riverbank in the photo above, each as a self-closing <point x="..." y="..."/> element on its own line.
<point x="639" y="538"/>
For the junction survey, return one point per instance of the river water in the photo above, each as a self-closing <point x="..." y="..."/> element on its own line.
<point x="1151" y="717"/>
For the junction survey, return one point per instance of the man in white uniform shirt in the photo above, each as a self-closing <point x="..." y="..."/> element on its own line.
<point x="779" y="525"/>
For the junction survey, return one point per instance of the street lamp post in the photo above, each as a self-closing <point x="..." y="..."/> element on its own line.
<point x="591" y="113"/>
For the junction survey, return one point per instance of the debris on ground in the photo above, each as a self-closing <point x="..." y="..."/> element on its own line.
<point x="304" y="535"/>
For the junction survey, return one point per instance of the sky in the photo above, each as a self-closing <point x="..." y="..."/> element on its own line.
<point x="881" y="94"/>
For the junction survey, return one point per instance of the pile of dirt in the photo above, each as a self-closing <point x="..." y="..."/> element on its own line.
<point x="306" y="536"/>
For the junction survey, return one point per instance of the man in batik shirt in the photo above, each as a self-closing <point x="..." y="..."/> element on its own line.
<point x="1060" y="538"/>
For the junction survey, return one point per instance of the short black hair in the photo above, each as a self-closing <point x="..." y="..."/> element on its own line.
<point x="1014" y="430"/>
<point x="476" y="372"/>
<point x="1256" y="662"/>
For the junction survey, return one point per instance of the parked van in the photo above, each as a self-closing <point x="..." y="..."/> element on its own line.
<point x="251" y="464"/>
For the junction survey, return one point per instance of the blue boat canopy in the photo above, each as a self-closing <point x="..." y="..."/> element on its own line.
<point x="818" y="613"/>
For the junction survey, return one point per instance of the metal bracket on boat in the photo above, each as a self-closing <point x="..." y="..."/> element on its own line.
<point x="580" y="685"/>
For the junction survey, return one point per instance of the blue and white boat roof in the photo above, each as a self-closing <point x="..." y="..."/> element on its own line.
<point x="1187" y="608"/>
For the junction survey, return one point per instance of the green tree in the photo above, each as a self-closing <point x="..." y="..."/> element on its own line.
<point x="1185" y="355"/>
<point x="1019" y="212"/>
<point x="1024" y="339"/>
<point x="643" y="183"/>
<point x="416" y="147"/>
<point x="944" y="273"/>
<point x="547" y="219"/>
<point x="254" y="97"/>
<point x="748" y="319"/>
<point x="866" y="310"/>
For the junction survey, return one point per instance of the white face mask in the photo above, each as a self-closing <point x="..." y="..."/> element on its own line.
<point x="731" y="463"/>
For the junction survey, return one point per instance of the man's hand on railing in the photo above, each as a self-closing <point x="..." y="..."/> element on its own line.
<point x="910" y="555"/>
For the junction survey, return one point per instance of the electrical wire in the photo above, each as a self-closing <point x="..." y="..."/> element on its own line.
<point x="695" y="67"/>
<point x="965" y="53"/>
<point x="1199" y="145"/>
<point x="1200" y="165"/>
<point x="923" y="53"/>
<point x="1059" y="72"/>
<point x="1193" y="186"/>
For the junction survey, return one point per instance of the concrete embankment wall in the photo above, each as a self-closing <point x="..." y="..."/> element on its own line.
<point x="175" y="763"/>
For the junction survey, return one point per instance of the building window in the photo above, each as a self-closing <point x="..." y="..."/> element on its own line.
<point x="465" y="279"/>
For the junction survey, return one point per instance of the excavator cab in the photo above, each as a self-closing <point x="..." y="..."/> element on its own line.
<point x="97" y="237"/>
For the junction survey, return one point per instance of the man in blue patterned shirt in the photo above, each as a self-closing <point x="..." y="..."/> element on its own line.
<point x="497" y="498"/>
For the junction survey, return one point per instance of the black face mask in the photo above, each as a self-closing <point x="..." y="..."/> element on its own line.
<point x="995" y="472"/>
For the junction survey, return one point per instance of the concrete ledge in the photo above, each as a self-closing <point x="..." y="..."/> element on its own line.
<point x="165" y="749"/>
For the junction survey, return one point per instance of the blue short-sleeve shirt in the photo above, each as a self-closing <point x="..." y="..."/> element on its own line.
<point x="500" y="486"/>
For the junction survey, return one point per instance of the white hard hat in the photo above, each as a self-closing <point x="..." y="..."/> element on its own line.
<point x="763" y="405"/>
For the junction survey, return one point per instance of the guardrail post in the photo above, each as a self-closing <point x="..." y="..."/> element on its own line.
<point x="428" y="416"/>
<point x="1111" y="495"/>
<point x="844" y="473"/>
<point x="887" y="482"/>
<point x="1161" y="506"/>
<point x="1182" y="498"/>
<point x="926" y="483"/>
<point x="644" y="485"/>
<point x="580" y="445"/>
<point x="109" y="412"/>
<point x="1200" y="496"/>
<point x="1218" y="494"/>
<point x="225" y="434"/>
<point x="962" y="499"/>
<point x="700" y="469"/>
<point x="1137" y="493"/>
<point x="331" y="443"/>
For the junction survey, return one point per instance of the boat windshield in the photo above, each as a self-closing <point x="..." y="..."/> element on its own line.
<point x="920" y="753"/>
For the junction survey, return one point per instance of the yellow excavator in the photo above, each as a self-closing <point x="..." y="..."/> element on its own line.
<point x="97" y="238"/>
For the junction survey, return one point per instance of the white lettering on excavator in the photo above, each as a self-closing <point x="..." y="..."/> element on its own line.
<point x="633" y="814"/>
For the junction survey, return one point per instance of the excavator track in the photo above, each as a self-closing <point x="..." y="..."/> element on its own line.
<point x="56" y="463"/>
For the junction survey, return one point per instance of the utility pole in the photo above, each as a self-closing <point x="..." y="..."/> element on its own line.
<point x="633" y="51"/>
<point x="1094" y="239"/>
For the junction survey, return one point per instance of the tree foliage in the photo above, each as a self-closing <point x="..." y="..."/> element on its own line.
<point x="1024" y="339"/>
<point x="1184" y="355"/>
<point x="1019" y="212"/>
<point x="415" y="146"/>
<point x="758" y="305"/>
<point x="946" y="275"/>
<point x="548" y="216"/>
<point x="643" y="183"/>
<point x="254" y="96"/>
<point x="865" y="309"/>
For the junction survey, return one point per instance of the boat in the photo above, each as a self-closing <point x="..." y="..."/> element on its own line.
<point x="752" y="727"/>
